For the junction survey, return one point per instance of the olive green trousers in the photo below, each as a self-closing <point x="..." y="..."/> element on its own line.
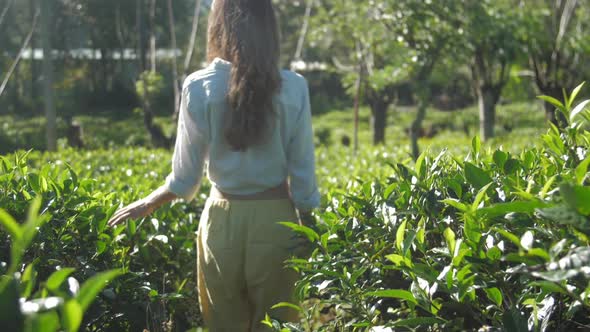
<point x="241" y="253"/>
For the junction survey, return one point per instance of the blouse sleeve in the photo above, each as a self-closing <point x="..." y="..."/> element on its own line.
<point x="191" y="147"/>
<point x="301" y="159"/>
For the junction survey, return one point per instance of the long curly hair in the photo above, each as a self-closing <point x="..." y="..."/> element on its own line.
<point x="245" y="33"/>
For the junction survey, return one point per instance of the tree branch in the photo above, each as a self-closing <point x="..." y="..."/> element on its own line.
<point x="304" y="28"/>
<point x="20" y="54"/>
<point x="193" y="37"/>
<point x="5" y="11"/>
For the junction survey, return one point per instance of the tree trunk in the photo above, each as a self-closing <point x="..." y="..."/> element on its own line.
<point x="46" y="19"/>
<point x="379" y="120"/>
<point x="487" y="98"/>
<point x="416" y="127"/>
<point x="174" y="65"/>
<point x="357" y="97"/>
<point x="193" y="37"/>
<point x="33" y="88"/>
<point x="5" y="11"/>
<point x="140" y="35"/>
<point x="304" y="28"/>
<point x="16" y="61"/>
<point x="153" y="35"/>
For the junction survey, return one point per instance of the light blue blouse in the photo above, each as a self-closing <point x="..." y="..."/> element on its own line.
<point x="200" y="141"/>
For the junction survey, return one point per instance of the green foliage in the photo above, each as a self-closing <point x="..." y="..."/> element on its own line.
<point x="77" y="194"/>
<point x="149" y="86"/>
<point x="24" y="311"/>
<point x="494" y="240"/>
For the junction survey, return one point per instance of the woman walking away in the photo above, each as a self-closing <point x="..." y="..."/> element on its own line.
<point x="250" y="123"/>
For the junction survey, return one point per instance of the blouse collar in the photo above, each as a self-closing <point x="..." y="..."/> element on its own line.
<point x="220" y="63"/>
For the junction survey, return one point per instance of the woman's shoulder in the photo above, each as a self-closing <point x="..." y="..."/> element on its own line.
<point x="203" y="76"/>
<point x="294" y="87"/>
<point x="291" y="78"/>
<point x="207" y="83"/>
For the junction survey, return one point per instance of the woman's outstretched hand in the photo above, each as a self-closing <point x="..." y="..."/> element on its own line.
<point x="138" y="209"/>
<point x="143" y="207"/>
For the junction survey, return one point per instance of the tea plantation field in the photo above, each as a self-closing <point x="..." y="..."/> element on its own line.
<point x="469" y="237"/>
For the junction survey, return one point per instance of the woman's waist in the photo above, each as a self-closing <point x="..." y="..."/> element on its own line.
<point x="277" y="192"/>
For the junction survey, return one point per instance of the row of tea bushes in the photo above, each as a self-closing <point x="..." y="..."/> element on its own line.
<point x="492" y="241"/>
<point x="77" y="193"/>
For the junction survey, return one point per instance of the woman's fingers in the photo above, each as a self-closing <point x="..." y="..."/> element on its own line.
<point x="133" y="210"/>
<point x="119" y="217"/>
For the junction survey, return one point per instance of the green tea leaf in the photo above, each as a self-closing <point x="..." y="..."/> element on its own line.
<point x="576" y="197"/>
<point x="511" y="166"/>
<point x="579" y="109"/>
<point x="557" y="275"/>
<point x="450" y="239"/>
<point x="34" y="182"/>
<point x="399" y="259"/>
<point x="476" y="176"/>
<point x="420" y="167"/>
<point x="58" y="277"/>
<point x="472" y="229"/>
<point x="394" y="293"/>
<point x="456" y="204"/>
<point x="574" y="95"/>
<point x="45" y="322"/>
<point x="93" y="286"/>
<point x="549" y="287"/>
<point x="476" y="145"/>
<point x="399" y="236"/>
<point x="502" y="209"/>
<point x="10" y="225"/>
<point x="308" y="232"/>
<point x="582" y="170"/>
<point x="72" y="315"/>
<point x="552" y="101"/>
<point x="287" y="305"/>
<point x="513" y="238"/>
<point x="28" y="279"/>
<point x="389" y="190"/>
<point x="495" y="295"/>
<point x="480" y="196"/>
<point x="500" y="158"/>
<point x="11" y="318"/>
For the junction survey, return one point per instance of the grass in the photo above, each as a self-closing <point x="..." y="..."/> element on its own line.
<point x="516" y="124"/>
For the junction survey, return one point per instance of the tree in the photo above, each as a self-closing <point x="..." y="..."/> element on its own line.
<point x="394" y="42"/>
<point x="193" y="37"/>
<point x="368" y="55"/>
<point x="4" y="11"/>
<point x="491" y="47"/>
<point x="26" y="43"/>
<point x="304" y="28"/>
<point x="175" y="81"/>
<point x="50" y="116"/>
<point x="555" y="33"/>
<point x="427" y="31"/>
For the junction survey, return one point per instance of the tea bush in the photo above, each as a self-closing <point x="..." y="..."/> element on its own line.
<point x="156" y="254"/>
<point x="40" y="315"/>
<point x="493" y="241"/>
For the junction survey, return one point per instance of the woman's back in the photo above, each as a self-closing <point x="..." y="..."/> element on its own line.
<point x="286" y="150"/>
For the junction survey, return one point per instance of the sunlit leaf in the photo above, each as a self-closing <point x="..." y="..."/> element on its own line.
<point x="394" y="293"/>
<point x="93" y="286"/>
